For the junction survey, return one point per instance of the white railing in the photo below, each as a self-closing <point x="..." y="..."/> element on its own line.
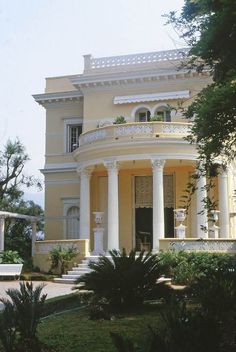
<point x="136" y="130"/>
<point x="188" y="244"/>
<point x="134" y="59"/>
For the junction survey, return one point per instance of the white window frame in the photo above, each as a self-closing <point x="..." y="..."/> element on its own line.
<point x="68" y="122"/>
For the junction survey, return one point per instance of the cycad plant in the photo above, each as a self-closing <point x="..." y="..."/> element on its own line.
<point x="123" y="279"/>
<point x="21" y="316"/>
<point x="61" y="257"/>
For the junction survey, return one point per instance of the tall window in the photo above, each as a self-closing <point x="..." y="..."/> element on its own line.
<point x="74" y="131"/>
<point x="73" y="223"/>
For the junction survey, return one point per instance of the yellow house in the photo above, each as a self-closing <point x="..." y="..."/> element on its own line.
<point x="115" y="144"/>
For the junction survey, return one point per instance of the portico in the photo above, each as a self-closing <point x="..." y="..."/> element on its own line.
<point x="112" y="170"/>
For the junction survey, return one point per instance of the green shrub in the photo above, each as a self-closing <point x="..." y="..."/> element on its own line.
<point x="61" y="258"/>
<point x="156" y="118"/>
<point x="119" y="120"/>
<point x="124" y="279"/>
<point x="21" y="316"/>
<point x="181" y="330"/>
<point x="10" y="257"/>
<point x="187" y="267"/>
<point x="61" y="303"/>
<point x="216" y="292"/>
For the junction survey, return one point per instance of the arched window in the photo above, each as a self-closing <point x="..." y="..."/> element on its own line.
<point x="142" y="115"/>
<point x="72" y="223"/>
<point x="163" y="113"/>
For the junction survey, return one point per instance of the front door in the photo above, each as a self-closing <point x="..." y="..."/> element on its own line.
<point x="143" y="189"/>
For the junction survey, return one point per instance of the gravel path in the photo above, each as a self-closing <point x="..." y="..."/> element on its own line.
<point x="52" y="289"/>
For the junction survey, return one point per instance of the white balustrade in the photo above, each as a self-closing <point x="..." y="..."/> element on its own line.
<point x="136" y="130"/>
<point x="134" y="59"/>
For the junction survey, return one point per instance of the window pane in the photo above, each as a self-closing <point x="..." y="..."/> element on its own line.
<point x="73" y="137"/>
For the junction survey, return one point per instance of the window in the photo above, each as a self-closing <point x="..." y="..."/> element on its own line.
<point x="74" y="131"/>
<point x="164" y="114"/>
<point x="72" y="223"/>
<point x="143" y="115"/>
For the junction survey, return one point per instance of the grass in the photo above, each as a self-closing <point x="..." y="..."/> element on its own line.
<point x="73" y="331"/>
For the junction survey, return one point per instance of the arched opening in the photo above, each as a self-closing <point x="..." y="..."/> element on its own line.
<point x="72" y="225"/>
<point x="142" y="115"/>
<point x="163" y="113"/>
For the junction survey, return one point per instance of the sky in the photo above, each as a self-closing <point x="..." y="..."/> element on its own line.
<point x="45" y="38"/>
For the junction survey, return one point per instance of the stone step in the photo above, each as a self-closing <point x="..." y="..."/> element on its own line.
<point x="73" y="277"/>
<point x="78" y="268"/>
<point x="78" y="272"/>
<point x="64" y="281"/>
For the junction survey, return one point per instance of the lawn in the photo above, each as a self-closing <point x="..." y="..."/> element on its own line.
<point x="73" y="331"/>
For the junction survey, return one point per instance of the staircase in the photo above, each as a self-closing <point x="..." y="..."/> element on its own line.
<point x="77" y="271"/>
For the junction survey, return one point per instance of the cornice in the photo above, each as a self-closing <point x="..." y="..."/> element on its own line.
<point x="60" y="97"/>
<point x="103" y="81"/>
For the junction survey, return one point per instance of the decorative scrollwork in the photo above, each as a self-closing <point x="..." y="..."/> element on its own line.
<point x="133" y="130"/>
<point x="175" y="129"/>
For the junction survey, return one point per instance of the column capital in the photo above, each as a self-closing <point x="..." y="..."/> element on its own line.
<point x="111" y="165"/>
<point x="158" y="163"/>
<point x="85" y="171"/>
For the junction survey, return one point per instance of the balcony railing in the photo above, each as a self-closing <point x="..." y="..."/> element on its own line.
<point x="134" y="59"/>
<point x="136" y="130"/>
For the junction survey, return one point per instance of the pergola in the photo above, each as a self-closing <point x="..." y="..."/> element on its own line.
<point x="32" y="219"/>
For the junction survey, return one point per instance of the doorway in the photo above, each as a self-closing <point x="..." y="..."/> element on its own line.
<point x="143" y="205"/>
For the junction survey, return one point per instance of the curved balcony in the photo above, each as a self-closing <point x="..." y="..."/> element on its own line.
<point x="136" y="131"/>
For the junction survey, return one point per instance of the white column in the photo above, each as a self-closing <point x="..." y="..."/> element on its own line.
<point x="201" y="195"/>
<point x="113" y="205"/>
<point x="223" y="204"/>
<point x="2" y="228"/>
<point x="33" y="237"/>
<point x="158" y="202"/>
<point x="85" y="174"/>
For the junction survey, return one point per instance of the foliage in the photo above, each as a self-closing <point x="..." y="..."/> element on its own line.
<point x="10" y="257"/>
<point x="61" y="258"/>
<point x="21" y="316"/>
<point x="123" y="279"/>
<point x="13" y="180"/>
<point x="183" y="330"/>
<point x="216" y="292"/>
<point x="156" y="118"/>
<point x="119" y="120"/>
<point x="98" y="307"/>
<point x="12" y="162"/>
<point x="188" y="267"/>
<point x="61" y="303"/>
<point x="203" y="24"/>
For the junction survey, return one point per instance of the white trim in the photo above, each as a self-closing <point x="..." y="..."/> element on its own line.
<point x="59" y="167"/>
<point x="139" y="107"/>
<point x="70" y="121"/>
<point x="127" y="99"/>
<point x="45" y="98"/>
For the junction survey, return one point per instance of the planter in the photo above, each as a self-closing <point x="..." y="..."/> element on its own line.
<point x="10" y="269"/>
